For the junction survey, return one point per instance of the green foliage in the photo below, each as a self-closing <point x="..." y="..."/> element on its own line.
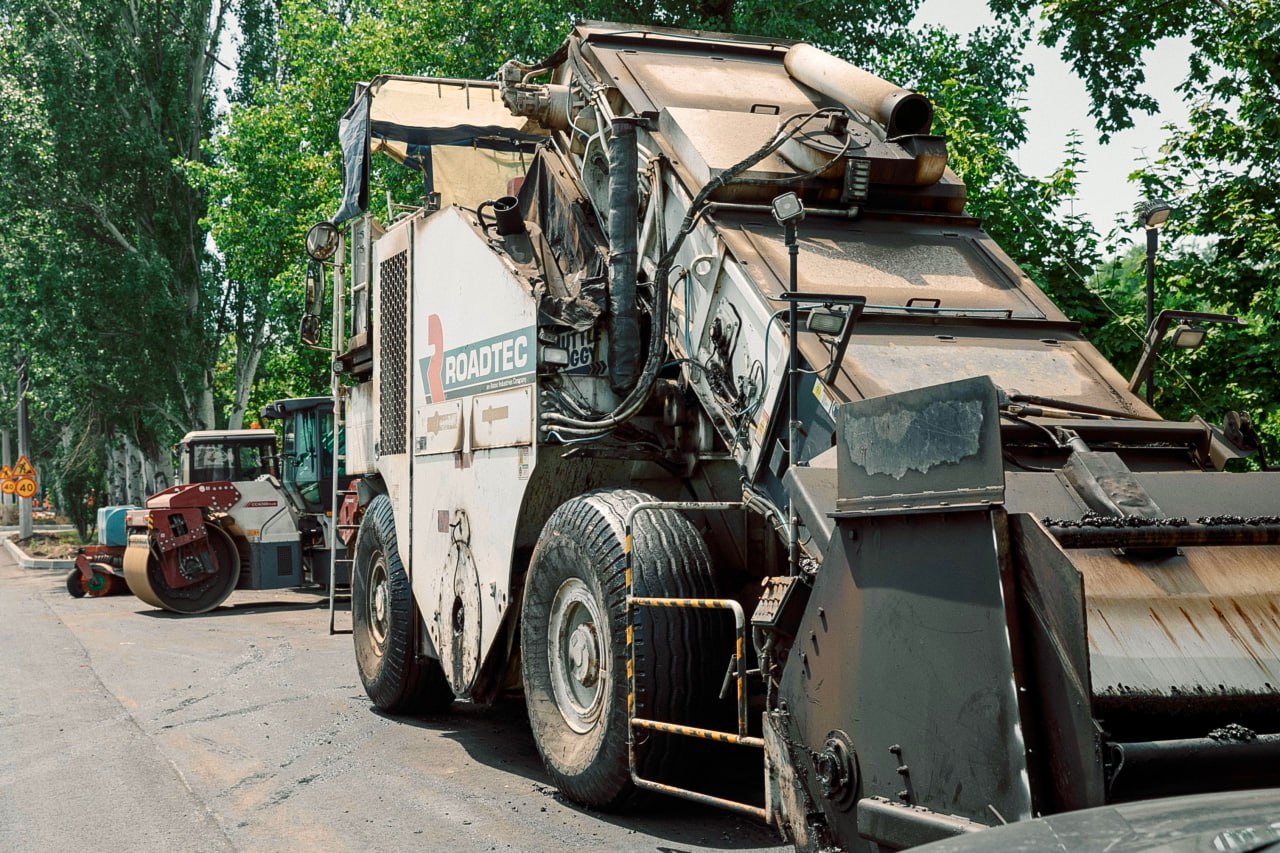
<point x="1222" y="171"/>
<point x="104" y="271"/>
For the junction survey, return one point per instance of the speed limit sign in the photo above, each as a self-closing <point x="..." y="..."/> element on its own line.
<point x="26" y="487"/>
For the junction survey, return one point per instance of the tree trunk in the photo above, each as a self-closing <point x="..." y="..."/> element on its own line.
<point x="117" y="488"/>
<point x="247" y="357"/>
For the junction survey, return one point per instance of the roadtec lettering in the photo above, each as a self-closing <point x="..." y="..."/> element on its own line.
<point x="505" y="357"/>
<point x="502" y="361"/>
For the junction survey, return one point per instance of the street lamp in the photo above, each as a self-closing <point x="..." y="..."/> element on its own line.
<point x="1152" y="214"/>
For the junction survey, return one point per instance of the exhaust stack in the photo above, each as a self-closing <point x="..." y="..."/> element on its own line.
<point x="900" y="110"/>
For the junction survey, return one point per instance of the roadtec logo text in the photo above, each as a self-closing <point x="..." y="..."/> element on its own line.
<point x="498" y="362"/>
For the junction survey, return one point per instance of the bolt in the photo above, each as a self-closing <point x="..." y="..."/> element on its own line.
<point x="896" y="749"/>
<point x="903" y="770"/>
<point x="905" y="796"/>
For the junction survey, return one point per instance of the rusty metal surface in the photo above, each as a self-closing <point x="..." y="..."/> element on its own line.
<point x="1196" y="494"/>
<point x="886" y="359"/>
<point x="684" y="78"/>
<point x="1203" y="625"/>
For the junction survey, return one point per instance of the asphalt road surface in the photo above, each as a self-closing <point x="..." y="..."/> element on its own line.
<point x="125" y="728"/>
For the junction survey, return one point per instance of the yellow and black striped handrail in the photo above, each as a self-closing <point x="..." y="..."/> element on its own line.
<point x="739" y="667"/>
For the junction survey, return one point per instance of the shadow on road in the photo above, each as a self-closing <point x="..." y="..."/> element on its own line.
<point x="498" y="736"/>
<point x="245" y="609"/>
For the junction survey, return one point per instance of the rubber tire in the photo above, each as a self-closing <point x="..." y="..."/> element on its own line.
<point x="584" y="539"/>
<point x="394" y="677"/>
<point x="75" y="584"/>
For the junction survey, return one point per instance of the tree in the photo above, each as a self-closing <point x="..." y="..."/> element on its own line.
<point x="105" y="272"/>
<point x="1222" y="169"/>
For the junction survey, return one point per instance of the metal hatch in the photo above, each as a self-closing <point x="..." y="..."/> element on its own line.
<point x="889" y="267"/>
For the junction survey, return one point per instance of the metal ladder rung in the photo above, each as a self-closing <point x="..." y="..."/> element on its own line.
<point x="694" y="731"/>
<point x="703" y="799"/>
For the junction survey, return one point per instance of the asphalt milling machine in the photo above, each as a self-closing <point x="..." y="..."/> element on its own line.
<point x="232" y="522"/>
<point x="691" y="402"/>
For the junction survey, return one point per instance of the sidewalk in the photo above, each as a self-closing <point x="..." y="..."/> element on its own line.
<point x="8" y="546"/>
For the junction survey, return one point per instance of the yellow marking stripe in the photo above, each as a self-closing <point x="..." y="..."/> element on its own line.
<point x="689" y="731"/>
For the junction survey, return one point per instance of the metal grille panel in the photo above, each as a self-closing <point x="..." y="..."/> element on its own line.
<point x="392" y="314"/>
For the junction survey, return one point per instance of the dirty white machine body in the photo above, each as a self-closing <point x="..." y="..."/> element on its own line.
<point x="691" y="403"/>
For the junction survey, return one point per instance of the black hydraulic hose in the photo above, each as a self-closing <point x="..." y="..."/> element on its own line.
<point x="624" y="200"/>
<point x="653" y="361"/>
<point x="1070" y="406"/>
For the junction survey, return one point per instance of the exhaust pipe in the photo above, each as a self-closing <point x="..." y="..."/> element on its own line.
<point x="901" y="111"/>
<point x="624" y="198"/>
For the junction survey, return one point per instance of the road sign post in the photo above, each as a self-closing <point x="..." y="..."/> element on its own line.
<point x="24" y="429"/>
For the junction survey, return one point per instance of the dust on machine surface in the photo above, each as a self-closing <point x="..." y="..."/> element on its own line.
<point x="232" y="522"/>
<point x="691" y="402"/>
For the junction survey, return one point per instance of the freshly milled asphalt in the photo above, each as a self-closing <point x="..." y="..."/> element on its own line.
<point x="124" y="728"/>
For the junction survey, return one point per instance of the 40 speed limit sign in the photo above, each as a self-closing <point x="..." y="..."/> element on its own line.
<point x="25" y="487"/>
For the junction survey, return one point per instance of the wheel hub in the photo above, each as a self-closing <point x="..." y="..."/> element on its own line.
<point x="584" y="662"/>
<point x="577" y="655"/>
<point x="379" y="607"/>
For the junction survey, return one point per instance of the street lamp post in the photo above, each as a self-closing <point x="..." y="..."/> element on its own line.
<point x="1151" y="215"/>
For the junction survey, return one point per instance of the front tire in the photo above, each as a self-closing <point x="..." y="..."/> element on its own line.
<point x="573" y="644"/>
<point x="75" y="584"/>
<point x="383" y="616"/>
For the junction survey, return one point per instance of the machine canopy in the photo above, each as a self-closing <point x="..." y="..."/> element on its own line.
<point x="406" y="117"/>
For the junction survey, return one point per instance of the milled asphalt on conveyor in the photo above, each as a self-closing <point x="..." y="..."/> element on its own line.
<point x="247" y="729"/>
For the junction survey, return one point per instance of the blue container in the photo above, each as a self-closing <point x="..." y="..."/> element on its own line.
<point x="111" y="529"/>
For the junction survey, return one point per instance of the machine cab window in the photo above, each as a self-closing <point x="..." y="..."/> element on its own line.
<point x="231" y="455"/>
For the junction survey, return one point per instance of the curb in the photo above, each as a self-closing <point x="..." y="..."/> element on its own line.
<point x="28" y="562"/>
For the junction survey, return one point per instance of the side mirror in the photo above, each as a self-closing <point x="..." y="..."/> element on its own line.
<point x="315" y="289"/>
<point x="313" y="305"/>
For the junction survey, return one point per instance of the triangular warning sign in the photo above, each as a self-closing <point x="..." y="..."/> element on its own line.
<point x="5" y="473"/>
<point x="22" y="468"/>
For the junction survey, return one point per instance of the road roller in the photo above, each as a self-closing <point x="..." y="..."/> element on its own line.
<point x="233" y="523"/>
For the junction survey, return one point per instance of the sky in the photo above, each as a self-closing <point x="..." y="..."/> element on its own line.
<point x="1058" y="103"/>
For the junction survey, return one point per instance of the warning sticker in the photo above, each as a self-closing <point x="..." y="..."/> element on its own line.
<point x="825" y="398"/>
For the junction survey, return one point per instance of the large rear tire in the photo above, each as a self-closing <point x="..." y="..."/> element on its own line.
<point x="383" y="617"/>
<point x="573" y="644"/>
